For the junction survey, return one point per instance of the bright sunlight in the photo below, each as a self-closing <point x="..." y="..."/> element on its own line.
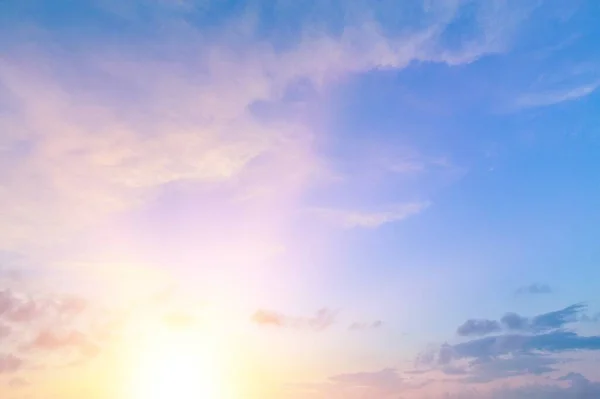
<point x="175" y="364"/>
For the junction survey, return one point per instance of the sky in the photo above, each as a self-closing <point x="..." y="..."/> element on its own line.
<point x="299" y="199"/>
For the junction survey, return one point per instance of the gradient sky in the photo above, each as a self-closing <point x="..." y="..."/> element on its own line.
<point x="332" y="199"/>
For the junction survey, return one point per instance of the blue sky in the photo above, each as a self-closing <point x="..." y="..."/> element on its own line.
<point x="333" y="199"/>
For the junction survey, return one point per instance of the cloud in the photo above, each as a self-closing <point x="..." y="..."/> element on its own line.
<point x="557" y="318"/>
<point x="551" y="342"/>
<point x="5" y="330"/>
<point x="454" y="370"/>
<point x="534" y="289"/>
<point x="45" y="324"/>
<point x="384" y="380"/>
<point x="268" y="318"/>
<point x="491" y="358"/>
<point x="18" y="309"/>
<point x="356" y="219"/>
<point x="361" y="326"/>
<point x="491" y="369"/>
<point x="18" y="382"/>
<point x="578" y="388"/>
<point x="572" y="377"/>
<point x="25" y="312"/>
<point x="533" y="350"/>
<point x="9" y="363"/>
<point x="101" y="128"/>
<point x="7" y="301"/>
<point x="49" y="340"/>
<point x="322" y="320"/>
<point x="543" y="322"/>
<point x="478" y="327"/>
<point x="387" y="383"/>
<point x="515" y="322"/>
<point x="553" y="97"/>
<point x="70" y="305"/>
<point x="21" y="308"/>
<point x="590" y="319"/>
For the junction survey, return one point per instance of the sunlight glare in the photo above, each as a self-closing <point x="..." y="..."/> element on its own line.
<point x="175" y="364"/>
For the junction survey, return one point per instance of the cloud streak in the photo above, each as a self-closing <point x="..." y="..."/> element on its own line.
<point x="548" y="98"/>
<point x="373" y="219"/>
<point x="321" y="320"/>
<point x="361" y="326"/>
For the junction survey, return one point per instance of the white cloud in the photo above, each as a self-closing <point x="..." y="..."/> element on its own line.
<point x="552" y="97"/>
<point x="370" y="219"/>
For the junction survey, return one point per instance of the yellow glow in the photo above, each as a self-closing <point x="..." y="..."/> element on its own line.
<point x="175" y="364"/>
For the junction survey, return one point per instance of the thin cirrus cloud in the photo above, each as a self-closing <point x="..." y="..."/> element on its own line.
<point x="552" y="97"/>
<point x="370" y="219"/>
<point x="94" y="161"/>
<point x="85" y="145"/>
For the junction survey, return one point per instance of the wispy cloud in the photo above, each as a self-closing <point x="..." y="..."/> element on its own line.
<point x="321" y="320"/>
<point x="370" y="219"/>
<point x="361" y="326"/>
<point x="84" y="145"/>
<point x="552" y="97"/>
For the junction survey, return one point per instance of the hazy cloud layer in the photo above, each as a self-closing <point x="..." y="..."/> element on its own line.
<point x="578" y="388"/>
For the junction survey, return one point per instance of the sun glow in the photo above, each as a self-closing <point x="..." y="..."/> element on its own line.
<point x="175" y="364"/>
